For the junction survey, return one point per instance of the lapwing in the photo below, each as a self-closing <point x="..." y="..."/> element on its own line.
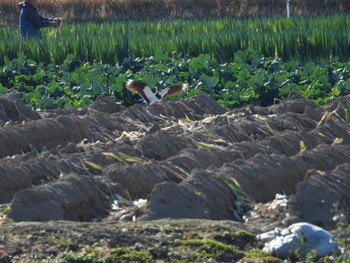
<point x="148" y="96"/>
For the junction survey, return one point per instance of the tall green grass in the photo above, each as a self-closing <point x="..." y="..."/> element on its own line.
<point x="306" y="39"/>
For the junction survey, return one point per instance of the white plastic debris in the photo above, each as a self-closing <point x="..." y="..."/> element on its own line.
<point x="281" y="200"/>
<point x="299" y="238"/>
<point x="139" y="202"/>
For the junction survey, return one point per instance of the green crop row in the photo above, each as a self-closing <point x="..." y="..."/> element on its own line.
<point x="250" y="79"/>
<point x="305" y="39"/>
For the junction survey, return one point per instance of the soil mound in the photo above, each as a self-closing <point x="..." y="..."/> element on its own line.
<point x="13" y="109"/>
<point x="74" y="198"/>
<point x="202" y="195"/>
<point x="323" y="197"/>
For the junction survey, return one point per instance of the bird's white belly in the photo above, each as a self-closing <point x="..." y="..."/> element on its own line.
<point x="150" y="95"/>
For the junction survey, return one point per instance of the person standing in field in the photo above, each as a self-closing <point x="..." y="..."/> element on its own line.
<point x="30" y="22"/>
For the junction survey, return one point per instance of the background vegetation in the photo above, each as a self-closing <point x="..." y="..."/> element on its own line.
<point x="87" y="10"/>
<point x="241" y="52"/>
<point x="305" y="39"/>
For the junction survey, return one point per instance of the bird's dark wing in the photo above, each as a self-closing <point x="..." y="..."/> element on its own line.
<point x="134" y="85"/>
<point x="138" y="87"/>
<point x="173" y="90"/>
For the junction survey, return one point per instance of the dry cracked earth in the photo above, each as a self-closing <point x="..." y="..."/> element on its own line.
<point x="166" y="182"/>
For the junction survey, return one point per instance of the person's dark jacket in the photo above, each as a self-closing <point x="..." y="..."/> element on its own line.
<point x="30" y="22"/>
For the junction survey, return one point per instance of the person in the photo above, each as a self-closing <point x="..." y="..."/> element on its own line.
<point x="30" y="21"/>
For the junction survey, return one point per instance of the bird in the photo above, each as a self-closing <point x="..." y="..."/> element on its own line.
<point x="148" y="96"/>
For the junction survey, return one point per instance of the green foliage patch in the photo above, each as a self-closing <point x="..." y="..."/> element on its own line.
<point x="4" y="209"/>
<point x="250" y="79"/>
<point x="256" y="255"/>
<point x="128" y="255"/>
<point x="88" y="254"/>
<point x="209" y="248"/>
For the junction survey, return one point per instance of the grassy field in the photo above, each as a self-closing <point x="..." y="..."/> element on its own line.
<point x="306" y="39"/>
